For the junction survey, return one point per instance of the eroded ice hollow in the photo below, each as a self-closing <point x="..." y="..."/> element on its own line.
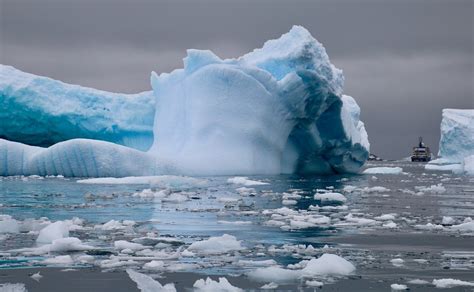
<point x="278" y="109"/>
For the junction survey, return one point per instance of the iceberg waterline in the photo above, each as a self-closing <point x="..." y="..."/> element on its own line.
<point x="278" y="109"/>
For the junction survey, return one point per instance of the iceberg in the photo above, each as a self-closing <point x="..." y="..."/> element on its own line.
<point x="278" y="109"/>
<point x="40" y="111"/>
<point x="456" y="145"/>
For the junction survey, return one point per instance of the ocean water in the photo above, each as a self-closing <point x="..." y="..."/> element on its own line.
<point x="413" y="229"/>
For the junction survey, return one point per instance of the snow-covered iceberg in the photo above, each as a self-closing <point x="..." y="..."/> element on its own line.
<point x="456" y="146"/>
<point x="40" y="111"/>
<point x="278" y="109"/>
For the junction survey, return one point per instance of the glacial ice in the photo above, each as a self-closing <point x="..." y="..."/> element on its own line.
<point x="278" y="109"/>
<point x="40" y="111"/>
<point x="456" y="146"/>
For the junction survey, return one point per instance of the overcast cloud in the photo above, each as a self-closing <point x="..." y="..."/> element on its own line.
<point x="403" y="60"/>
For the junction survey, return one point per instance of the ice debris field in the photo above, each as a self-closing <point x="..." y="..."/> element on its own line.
<point x="278" y="109"/>
<point x="274" y="232"/>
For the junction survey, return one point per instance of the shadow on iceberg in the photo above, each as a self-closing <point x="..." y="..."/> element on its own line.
<point x="278" y="109"/>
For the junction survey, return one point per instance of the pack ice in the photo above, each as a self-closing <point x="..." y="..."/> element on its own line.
<point x="456" y="146"/>
<point x="278" y="109"/>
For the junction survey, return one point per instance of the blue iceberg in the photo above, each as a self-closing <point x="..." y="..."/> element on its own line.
<point x="278" y="109"/>
<point x="40" y="111"/>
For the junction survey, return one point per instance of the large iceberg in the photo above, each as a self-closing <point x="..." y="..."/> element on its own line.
<point x="40" y="111"/>
<point x="278" y="109"/>
<point x="456" y="146"/>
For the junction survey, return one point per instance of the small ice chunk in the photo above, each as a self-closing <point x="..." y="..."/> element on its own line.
<point x="450" y="283"/>
<point x="16" y="287"/>
<point x="385" y="217"/>
<point x="398" y="262"/>
<point x="418" y="282"/>
<point x="242" y="180"/>
<point x="210" y="285"/>
<point x="8" y="224"/>
<point x="398" y="287"/>
<point x="56" y="230"/>
<point x="123" y="244"/>
<point x="217" y="245"/>
<point x="383" y="170"/>
<point x="330" y="197"/>
<point x="147" y="284"/>
<point x="447" y="220"/>
<point x="269" y="286"/>
<point x="435" y="189"/>
<point x="314" y="283"/>
<point x="154" y="265"/>
<point x="36" y="276"/>
<point x="464" y="227"/>
<point x="59" y="260"/>
<point x="328" y="264"/>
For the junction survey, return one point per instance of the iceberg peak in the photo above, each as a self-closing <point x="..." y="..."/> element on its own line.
<point x="278" y="109"/>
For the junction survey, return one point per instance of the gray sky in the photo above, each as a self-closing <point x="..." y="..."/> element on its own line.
<point x="403" y="60"/>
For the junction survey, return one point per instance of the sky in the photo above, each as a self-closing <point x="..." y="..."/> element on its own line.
<point x="403" y="60"/>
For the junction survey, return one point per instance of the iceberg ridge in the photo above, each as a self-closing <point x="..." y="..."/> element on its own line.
<point x="278" y="109"/>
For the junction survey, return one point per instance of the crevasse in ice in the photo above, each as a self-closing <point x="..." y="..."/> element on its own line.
<point x="278" y="109"/>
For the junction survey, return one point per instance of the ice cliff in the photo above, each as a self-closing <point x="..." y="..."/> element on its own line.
<point x="278" y="109"/>
<point x="40" y="111"/>
<point x="456" y="146"/>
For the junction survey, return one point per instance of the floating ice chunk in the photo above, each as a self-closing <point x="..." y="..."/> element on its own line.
<point x="385" y="217"/>
<point x="235" y="222"/>
<point x="457" y="134"/>
<point x="8" y="224"/>
<point x="59" y="260"/>
<point x="68" y="244"/>
<point x="398" y="287"/>
<point x="376" y="189"/>
<point x="450" y="283"/>
<point x="328" y="264"/>
<point x="289" y="202"/>
<point x="429" y="226"/>
<point x="330" y="197"/>
<point x="36" y="276"/>
<point x="213" y="286"/>
<point x="398" y="262"/>
<point x="216" y="245"/>
<point x="383" y="170"/>
<point x="242" y="180"/>
<point x="468" y="165"/>
<point x="154" y="265"/>
<point x="314" y="283"/>
<point x="56" y="230"/>
<point x="435" y="189"/>
<point x="464" y="227"/>
<point x="147" y="284"/>
<point x="111" y="225"/>
<point x="123" y="244"/>
<point x="418" y="282"/>
<point x="269" y="286"/>
<point x="447" y="220"/>
<point x="16" y="287"/>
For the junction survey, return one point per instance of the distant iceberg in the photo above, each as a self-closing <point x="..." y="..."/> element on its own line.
<point x="278" y="109"/>
<point x="456" y="146"/>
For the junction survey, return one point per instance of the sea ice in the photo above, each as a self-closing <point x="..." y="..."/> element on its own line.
<point x="53" y="231"/>
<point x="147" y="284"/>
<point x="383" y="170"/>
<point x="328" y="264"/>
<point x="217" y="245"/>
<point x="210" y="285"/>
<point x="450" y="283"/>
<point x="330" y="197"/>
